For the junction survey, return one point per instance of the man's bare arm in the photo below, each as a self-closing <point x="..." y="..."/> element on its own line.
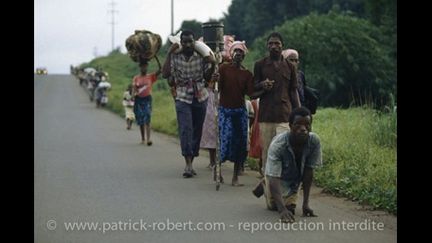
<point x="275" y="190"/>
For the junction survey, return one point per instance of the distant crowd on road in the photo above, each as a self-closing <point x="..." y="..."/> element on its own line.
<point x="95" y="81"/>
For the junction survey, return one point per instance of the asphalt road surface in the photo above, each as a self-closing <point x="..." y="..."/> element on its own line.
<point x="94" y="182"/>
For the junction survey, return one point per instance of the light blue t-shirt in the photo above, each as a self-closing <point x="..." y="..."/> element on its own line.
<point x="281" y="160"/>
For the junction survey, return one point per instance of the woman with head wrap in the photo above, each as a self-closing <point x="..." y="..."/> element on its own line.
<point x="292" y="57"/>
<point x="235" y="81"/>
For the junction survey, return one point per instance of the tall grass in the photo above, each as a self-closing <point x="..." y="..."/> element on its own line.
<point x="385" y="125"/>
<point x="356" y="164"/>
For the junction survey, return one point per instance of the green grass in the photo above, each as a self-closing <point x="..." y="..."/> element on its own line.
<point x="164" y="117"/>
<point x="359" y="144"/>
<point x="356" y="164"/>
<point x="253" y="163"/>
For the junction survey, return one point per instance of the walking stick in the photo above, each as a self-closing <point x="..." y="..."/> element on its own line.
<point x="217" y="169"/>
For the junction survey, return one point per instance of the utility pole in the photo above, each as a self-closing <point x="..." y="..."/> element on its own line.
<point x="172" y="17"/>
<point x="112" y="11"/>
<point x="95" y="53"/>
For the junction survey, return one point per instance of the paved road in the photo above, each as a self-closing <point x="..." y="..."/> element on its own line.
<point x="89" y="169"/>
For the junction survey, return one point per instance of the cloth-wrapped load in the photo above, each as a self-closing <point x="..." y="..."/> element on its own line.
<point x="104" y="84"/>
<point x="202" y="48"/>
<point x="143" y="45"/>
<point x="228" y="41"/>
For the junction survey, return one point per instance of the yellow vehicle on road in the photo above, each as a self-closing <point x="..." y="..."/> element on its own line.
<point x="41" y="71"/>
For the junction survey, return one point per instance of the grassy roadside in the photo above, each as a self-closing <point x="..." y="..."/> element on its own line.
<point x="357" y="162"/>
<point x="359" y="144"/>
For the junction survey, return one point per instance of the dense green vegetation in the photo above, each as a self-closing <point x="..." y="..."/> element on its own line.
<point x="248" y="19"/>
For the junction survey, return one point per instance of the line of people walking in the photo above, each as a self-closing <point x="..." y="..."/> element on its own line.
<point x="281" y="137"/>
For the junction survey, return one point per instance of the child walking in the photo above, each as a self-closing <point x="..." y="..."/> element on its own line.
<point x="128" y="104"/>
<point x="142" y="87"/>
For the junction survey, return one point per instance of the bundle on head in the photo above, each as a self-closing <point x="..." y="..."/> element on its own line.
<point x="143" y="45"/>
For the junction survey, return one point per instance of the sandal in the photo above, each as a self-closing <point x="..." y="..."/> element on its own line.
<point x="258" y="191"/>
<point x="187" y="174"/>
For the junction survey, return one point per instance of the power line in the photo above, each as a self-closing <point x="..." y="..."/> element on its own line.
<point x="112" y="11"/>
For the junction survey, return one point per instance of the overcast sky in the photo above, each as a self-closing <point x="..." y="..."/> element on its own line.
<point x="70" y="32"/>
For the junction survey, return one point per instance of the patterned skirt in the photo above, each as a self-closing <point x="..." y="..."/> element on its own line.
<point x="143" y="109"/>
<point x="233" y="134"/>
